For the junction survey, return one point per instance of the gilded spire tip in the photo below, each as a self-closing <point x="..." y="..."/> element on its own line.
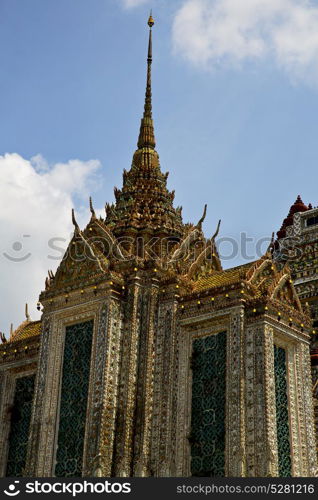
<point x="151" y="20"/>
<point x="146" y="134"/>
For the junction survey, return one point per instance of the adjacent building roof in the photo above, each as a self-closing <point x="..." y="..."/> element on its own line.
<point x="298" y="206"/>
<point x="223" y="278"/>
<point x="25" y="330"/>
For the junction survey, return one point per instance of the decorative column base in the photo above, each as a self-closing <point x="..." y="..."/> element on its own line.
<point x="141" y="468"/>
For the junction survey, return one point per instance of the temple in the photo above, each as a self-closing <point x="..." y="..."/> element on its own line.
<point x="297" y="245"/>
<point x="150" y="359"/>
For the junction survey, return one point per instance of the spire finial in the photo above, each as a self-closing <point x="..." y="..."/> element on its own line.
<point x="92" y="208"/>
<point x="151" y="21"/>
<point x="271" y="245"/>
<point x="27" y="315"/>
<point x="146" y="135"/>
<point x="74" y="220"/>
<point x="199" y="224"/>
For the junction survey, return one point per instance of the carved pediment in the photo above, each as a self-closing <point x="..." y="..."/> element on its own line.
<point x="284" y="291"/>
<point x="194" y="256"/>
<point x="261" y="272"/>
<point x="81" y="262"/>
<point x="275" y="284"/>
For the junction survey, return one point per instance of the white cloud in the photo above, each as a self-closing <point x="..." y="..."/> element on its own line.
<point x="211" y="33"/>
<point x="129" y="4"/>
<point x="36" y="201"/>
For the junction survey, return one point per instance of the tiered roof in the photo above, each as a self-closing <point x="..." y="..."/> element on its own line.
<point x="144" y="202"/>
<point x="26" y="330"/>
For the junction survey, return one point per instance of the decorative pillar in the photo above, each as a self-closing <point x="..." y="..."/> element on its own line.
<point x="146" y="383"/>
<point x="181" y="402"/>
<point x="165" y="380"/>
<point x="295" y="440"/>
<point x="270" y="461"/>
<point x="36" y="452"/>
<point x="301" y="411"/>
<point x="310" y="443"/>
<point x="128" y="383"/>
<point x="235" y="414"/>
<point x="252" y="333"/>
<point x="6" y="399"/>
<point x="98" y="453"/>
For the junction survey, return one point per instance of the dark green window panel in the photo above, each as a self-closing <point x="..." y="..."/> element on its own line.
<point x="20" y="425"/>
<point x="283" y="438"/>
<point x="73" y="404"/>
<point x="208" y="406"/>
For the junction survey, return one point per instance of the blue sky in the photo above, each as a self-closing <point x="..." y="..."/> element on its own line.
<point x="235" y="109"/>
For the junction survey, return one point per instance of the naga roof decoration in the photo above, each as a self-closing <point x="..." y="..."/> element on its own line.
<point x="259" y="280"/>
<point x="96" y="254"/>
<point x="84" y="261"/>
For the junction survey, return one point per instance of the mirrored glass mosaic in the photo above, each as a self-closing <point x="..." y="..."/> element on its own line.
<point x="20" y="425"/>
<point x="208" y="406"/>
<point x="282" y="419"/>
<point x="73" y="404"/>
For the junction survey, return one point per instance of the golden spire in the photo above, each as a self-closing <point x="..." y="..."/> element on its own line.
<point x="146" y="135"/>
